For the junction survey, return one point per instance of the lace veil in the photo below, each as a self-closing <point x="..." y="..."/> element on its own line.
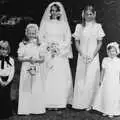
<point x="46" y="15"/>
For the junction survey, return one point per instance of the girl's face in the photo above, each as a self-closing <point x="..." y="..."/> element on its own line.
<point x="89" y="15"/>
<point x="31" y="33"/>
<point x="112" y="52"/>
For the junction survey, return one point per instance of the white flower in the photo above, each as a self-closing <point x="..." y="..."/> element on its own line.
<point x="53" y="49"/>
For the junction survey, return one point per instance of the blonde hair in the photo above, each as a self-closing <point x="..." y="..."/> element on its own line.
<point x="5" y="45"/>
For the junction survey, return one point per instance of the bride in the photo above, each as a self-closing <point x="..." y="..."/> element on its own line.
<point x="56" y="35"/>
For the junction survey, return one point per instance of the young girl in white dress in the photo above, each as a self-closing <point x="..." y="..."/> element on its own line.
<point x="108" y="98"/>
<point x="55" y="33"/>
<point x="88" y="37"/>
<point x="6" y="76"/>
<point x="31" y="90"/>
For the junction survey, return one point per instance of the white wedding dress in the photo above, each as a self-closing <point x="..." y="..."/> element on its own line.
<point x="58" y="80"/>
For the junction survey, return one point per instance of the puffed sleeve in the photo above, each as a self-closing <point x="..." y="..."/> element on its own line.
<point x="12" y="70"/>
<point x="76" y="34"/>
<point x="104" y="63"/>
<point x="100" y="32"/>
<point x="21" y="49"/>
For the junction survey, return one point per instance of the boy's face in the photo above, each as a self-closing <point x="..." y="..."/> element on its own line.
<point x="4" y="51"/>
<point x="112" y="52"/>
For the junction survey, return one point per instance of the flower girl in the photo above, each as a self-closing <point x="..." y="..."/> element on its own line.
<point x="31" y="99"/>
<point x="6" y="76"/>
<point x="108" y="98"/>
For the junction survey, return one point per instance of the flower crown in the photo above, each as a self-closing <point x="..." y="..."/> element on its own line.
<point x="32" y="26"/>
<point x="114" y="44"/>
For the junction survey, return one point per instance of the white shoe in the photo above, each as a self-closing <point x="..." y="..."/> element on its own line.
<point x="89" y="108"/>
<point x="104" y="114"/>
<point x="110" y="116"/>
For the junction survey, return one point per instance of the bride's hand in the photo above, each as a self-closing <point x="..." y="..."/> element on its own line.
<point x="84" y="58"/>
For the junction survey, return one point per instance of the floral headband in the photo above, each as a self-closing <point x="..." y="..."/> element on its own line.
<point x="32" y="26"/>
<point x="114" y="44"/>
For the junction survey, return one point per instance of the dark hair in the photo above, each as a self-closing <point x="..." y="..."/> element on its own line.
<point x="88" y="7"/>
<point x="58" y="10"/>
<point x="110" y="47"/>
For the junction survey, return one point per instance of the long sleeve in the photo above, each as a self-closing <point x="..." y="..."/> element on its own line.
<point x="20" y="49"/>
<point x="41" y="33"/>
<point x="67" y="35"/>
<point x="12" y="70"/>
<point x="66" y="45"/>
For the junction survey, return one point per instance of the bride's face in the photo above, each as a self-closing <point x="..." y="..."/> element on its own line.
<point x="55" y="12"/>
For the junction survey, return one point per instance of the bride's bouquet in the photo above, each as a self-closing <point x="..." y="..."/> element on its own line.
<point x="53" y="49"/>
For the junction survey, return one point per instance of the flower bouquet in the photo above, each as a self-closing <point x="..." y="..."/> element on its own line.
<point x="53" y="49"/>
<point x="32" y="69"/>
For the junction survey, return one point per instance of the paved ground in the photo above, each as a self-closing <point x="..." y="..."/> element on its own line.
<point x="67" y="114"/>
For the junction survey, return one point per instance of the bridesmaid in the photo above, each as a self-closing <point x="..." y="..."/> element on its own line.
<point x="88" y="37"/>
<point x="6" y="76"/>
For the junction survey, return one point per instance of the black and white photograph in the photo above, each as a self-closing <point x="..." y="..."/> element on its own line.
<point x="59" y="59"/>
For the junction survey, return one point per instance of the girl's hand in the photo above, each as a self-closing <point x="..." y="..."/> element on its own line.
<point x="100" y="83"/>
<point x="84" y="59"/>
<point x="89" y="59"/>
<point x="42" y="58"/>
<point x="23" y="59"/>
<point x="34" y="60"/>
